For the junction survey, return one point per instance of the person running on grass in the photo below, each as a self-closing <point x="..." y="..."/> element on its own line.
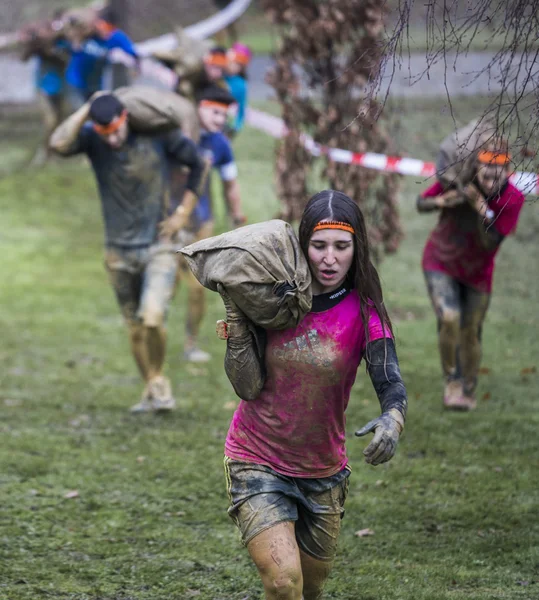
<point x="285" y="458"/>
<point x="132" y="177"/>
<point x="458" y="263"/>
<point x="212" y="106"/>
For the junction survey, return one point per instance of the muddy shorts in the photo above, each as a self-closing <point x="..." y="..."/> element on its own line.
<point x="261" y="498"/>
<point x="143" y="280"/>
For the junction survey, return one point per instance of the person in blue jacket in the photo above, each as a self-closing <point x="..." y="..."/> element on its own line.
<point x="91" y="46"/>
<point x="45" y="43"/>
<point x="239" y="57"/>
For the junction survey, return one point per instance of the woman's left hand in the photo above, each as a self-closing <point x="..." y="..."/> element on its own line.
<point x="387" y="429"/>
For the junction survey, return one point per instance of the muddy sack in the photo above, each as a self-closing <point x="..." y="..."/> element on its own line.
<point x="263" y="269"/>
<point x="455" y="163"/>
<point x="154" y="111"/>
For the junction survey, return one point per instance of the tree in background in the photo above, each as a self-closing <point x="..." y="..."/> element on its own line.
<point x="325" y="69"/>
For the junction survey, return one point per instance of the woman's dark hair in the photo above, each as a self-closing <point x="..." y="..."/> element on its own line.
<point x="362" y="276"/>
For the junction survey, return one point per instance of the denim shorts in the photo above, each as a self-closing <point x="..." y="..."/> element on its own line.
<point x="261" y="498"/>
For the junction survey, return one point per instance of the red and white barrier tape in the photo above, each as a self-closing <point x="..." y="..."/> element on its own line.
<point x="527" y="183"/>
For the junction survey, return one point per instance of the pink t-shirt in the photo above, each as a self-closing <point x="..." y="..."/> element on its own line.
<point x="454" y="246"/>
<point x="297" y="425"/>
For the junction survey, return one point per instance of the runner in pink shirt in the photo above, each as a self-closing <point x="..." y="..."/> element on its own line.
<point x="285" y="458"/>
<point x="458" y="262"/>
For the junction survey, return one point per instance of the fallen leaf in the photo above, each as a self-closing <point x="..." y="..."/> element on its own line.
<point x="498" y="469"/>
<point x="141" y="459"/>
<point x="486" y="396"/>
<point x="528" y="371"/>
<point x="72" y="494"/>
<point x="484" y="371"/>
<point x="12" y="402"/>
<point x="481" y="533"/>
<point x="417" y="395"/>
<point x="364" y="532"/>
<point x="180" y="513"/>
<point x="193" y="593"/>
<point x="379" y="482"/>
<point x="230" y="405"/>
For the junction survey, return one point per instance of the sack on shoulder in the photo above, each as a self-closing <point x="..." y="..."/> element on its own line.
<point x="455" y="166"/>
<point x="263" y="269"/>
<point x="155" y="111"/>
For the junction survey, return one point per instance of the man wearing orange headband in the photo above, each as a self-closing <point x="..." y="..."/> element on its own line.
<point x="213" y="104"/>
<point x="207" y="72"/>
<point x="132" y="172"/>
<point x="458" y="262"/>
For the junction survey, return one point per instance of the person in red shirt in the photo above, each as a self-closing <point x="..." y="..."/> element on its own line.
<point x="458" y="263"/>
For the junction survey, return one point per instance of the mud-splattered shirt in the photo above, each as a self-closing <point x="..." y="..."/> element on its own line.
<point x="134" y="180"/>
<point x="454" y="247"/>
<point x="296" y="426"/>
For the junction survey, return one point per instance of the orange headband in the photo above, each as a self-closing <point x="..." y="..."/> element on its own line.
<point x="493" y="158"/>
<point x="217" y="60"/>
<point x="214" y="104"/>
<point x="239" y="57"/>
<point x="113" y="126"/>
<point x="334" y="225"/>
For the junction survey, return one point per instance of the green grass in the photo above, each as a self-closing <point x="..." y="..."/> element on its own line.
<point x="455" y="514"/>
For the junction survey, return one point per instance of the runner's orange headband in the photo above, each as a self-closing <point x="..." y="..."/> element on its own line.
<point x="217" y="60"/>
<point x="113" y="126"/>
<point x="238" y="57"/>
<point x="487" y="157"/>
<point x="214" y="104"/>
<point x="334" y="225"/>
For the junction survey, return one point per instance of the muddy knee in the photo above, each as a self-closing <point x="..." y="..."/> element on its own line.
<point x="449" y="318"/>
<point x="284" y="585"/>
<point x="136" y="331"/>
<point x="153" y="315"/>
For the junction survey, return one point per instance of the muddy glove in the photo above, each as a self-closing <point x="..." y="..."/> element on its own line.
<point x="387" y="429"/>
<point x="236" y="323"/>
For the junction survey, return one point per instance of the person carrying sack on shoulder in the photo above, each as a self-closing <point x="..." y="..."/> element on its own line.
<point x="458" y="262"/>
<point x="285" y="458"/>
<point x="132" y="177"/>
<point x="213" y="103"/>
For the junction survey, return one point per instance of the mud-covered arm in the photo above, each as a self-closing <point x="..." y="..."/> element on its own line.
<point x="489" y="235"/>
<point x="66" y="138"/>
<point x="384" y="371"/>
<point x="447" y="199"/>
<point x="244" y="357"/>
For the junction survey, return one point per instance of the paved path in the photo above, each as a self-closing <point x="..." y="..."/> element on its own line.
<point x="16" y="78"/>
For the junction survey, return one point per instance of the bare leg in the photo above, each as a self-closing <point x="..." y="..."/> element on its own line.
<point x="475" y="309"/>
<point x="315" y="573"/>
<point x="276" y="555"/>
<point x="139" y="348"/>
<point x="444" y="293"/>
<point x="156" y="344"/>
<point x="196" y="308"/>
<point x="445" y="297"/>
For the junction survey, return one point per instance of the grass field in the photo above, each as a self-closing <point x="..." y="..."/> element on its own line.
<point x="455" y="515"/>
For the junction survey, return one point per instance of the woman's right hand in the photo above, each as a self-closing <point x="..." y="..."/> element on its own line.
<point x="450" y="199"/>
<point x="236" y="322"/>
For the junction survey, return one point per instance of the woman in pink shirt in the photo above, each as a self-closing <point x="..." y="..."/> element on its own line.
<point x="285" y="458"/>
<point x="458" y="263"/>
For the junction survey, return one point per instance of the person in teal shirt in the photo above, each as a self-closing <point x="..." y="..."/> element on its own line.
<point x="239" y="57"/>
